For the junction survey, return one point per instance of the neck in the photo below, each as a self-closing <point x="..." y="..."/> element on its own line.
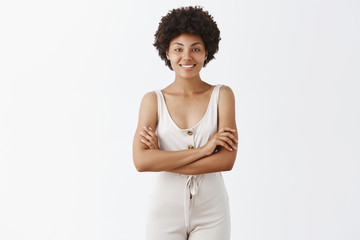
<point x="188" y="85"/>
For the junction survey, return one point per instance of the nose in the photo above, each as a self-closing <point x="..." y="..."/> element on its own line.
<point x="187" y="55"/>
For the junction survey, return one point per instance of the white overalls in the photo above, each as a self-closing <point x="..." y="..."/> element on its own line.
<point x="194" y="207"/>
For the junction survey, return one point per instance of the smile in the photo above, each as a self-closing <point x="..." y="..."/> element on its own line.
<point x="188" y="66"/>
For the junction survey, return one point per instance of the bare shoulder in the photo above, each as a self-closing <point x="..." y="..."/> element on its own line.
<point x="226" y="95"/>
<point x="148" y="110"/>
<point x="149" y="97"/>
<point x="149" y="102"/>
<point x="226" y="108"/>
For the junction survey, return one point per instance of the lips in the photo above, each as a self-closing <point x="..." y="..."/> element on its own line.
<point x="188" y="66"/>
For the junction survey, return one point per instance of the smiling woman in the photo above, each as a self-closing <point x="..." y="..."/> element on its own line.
<point x="187" y="132"/>
<point x="187" y="52"/>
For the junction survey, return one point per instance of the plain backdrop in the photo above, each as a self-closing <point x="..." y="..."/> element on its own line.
<point x="72" y="75"/>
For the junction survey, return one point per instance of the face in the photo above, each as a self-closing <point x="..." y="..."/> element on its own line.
<point x="187" y="55"/>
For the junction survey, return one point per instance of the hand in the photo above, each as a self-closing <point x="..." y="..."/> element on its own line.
<point x="224" y="137"/>
<point x="149" y="138"/>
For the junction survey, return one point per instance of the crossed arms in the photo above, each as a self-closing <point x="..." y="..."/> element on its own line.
<point x="148" y="157"/>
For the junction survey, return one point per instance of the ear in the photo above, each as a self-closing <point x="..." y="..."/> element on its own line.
<point x="206" y="55"/>
<point x="167" y="55"/>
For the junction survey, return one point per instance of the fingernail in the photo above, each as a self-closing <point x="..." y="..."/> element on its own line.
<point x="150" y="128"/>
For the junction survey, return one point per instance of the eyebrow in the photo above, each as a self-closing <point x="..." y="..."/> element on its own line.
<point x="183" y="44"/>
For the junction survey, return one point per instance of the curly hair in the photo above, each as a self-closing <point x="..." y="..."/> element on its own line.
<point x="191" y="20"/>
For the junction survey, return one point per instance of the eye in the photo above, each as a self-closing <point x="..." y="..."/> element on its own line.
<point x="196" y="49"/>
<point x="178" y="49"/>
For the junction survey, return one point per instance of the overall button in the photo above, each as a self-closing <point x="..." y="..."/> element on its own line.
<point x="190" y="146"/>
<point x="190" y="132"/>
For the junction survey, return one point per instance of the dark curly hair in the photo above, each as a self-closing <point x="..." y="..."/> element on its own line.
<point x="191" y="20"/>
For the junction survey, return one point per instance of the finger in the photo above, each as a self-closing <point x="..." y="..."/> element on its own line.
<point x="147" y="143"/>
<point x="145" y="129"/>
<point x="223" y="144"/>
<point x="227" y="129"/>
<point x="232" y="141"/>
<point x="150" y="145"/>
<point x="230" y="135"/>
<point x="149" y="139"/>
<point x="152" y="133"/>
<point x="229" y="142"/>
<point x="143" y="134"/>
<point x="146" y="135"/>
<point x="153" y="142"/>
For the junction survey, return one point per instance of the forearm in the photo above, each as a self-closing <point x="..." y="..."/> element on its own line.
<point x="223" y="160"/>
<point x="155" y="160"/>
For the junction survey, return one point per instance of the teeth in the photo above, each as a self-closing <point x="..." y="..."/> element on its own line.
<point x="187" y="66"/>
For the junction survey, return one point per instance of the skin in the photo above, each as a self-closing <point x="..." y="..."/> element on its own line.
<point x="186" y="100"/>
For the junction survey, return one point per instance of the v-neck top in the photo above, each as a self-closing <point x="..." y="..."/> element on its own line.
<point x="173" y="138"/>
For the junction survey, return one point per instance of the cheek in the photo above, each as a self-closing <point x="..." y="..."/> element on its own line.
<point x="174" y="59"/>
<point x="173" y="62"/>
<point x="201" y="59"/>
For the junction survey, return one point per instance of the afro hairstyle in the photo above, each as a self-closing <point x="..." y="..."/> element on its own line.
<point x="191" y="20"/>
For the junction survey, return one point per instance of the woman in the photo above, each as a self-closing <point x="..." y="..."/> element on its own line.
<point x="187" y="133"/>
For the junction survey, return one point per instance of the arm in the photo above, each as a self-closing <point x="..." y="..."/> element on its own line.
<point x="153" y="159"/>
<point x="223" y="160"/>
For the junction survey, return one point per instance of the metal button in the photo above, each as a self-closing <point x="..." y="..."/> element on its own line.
<point x="190" y="146"/>
<point x="190" y="133"/>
